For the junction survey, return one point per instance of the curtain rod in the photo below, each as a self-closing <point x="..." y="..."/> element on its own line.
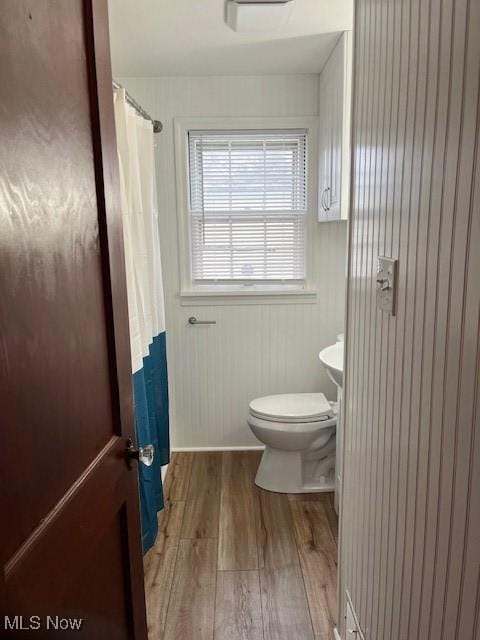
<point x="157" y="125"/>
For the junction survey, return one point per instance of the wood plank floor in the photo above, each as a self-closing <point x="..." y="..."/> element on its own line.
<point x="235" y="562"/>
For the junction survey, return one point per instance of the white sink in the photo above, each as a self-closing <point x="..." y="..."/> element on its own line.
<point x="332" y="359"/>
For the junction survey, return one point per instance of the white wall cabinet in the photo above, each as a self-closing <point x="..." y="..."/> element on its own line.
<point x="334" y="133"/>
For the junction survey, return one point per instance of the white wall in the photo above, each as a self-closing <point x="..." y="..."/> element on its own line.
<point x="253" y="349"/>
<point x="410" y="520"/>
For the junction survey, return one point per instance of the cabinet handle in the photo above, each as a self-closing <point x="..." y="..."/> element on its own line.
<point x="327" y="192"/>
<point x="324" y="199"/>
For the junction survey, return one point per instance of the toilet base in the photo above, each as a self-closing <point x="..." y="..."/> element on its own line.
<point x="287" y="472"/>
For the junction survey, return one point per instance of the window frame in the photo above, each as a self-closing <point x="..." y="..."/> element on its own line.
<point x="194" y="293"/>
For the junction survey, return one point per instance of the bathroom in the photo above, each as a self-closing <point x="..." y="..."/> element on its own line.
<point x="260" y="338"/>
<point x="259" y="333"/>
<point x="240" y="346"/>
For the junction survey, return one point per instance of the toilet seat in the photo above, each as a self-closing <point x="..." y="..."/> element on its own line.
<point x="293" y="408"/>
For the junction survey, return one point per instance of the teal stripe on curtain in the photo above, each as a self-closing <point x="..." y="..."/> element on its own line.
<point x="160" y="387"/>
<point x="150" y="390"/>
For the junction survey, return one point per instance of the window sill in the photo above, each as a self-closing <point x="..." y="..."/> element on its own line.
<point x="194" y="298"/>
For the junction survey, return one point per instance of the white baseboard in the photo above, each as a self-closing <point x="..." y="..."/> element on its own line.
<point x="336" y="635"/>
<point x="192" y="449"/>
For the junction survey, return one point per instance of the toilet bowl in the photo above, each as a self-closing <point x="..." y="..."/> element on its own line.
<point x="298" y="431"/>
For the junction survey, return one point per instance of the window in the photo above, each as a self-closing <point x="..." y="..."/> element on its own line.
<point x="247" y="206"/>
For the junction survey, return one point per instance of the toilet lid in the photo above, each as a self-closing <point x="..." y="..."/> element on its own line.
<point x="292" y="407"/>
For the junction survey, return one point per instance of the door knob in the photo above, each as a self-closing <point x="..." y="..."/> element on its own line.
<point x="142" y="454"/>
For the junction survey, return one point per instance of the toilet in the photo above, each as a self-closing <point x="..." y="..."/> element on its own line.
<point x="298" y="431"/>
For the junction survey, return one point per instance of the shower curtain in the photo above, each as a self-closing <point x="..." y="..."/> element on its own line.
<point x="145" y="303"/>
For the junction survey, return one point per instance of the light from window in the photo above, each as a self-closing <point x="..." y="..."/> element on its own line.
<point x="248" y="200"/>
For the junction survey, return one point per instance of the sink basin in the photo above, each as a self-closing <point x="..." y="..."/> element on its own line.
<point x="332" y="359"/>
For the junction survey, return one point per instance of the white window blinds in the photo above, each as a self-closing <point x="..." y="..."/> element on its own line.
<point x="248" y="199"/>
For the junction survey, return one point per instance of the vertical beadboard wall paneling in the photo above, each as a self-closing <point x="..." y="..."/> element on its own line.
<point x="458" y="406"/>
<point x="253" y="350"/>
<point x="378" y="391"/>
<point x="388" y="54"/>
<point x="347" y="542"/>
<point x="394" y="43"/>
<point x="410" y="558"/>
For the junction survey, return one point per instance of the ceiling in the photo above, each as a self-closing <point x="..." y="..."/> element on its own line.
<point x="190" y="37"/>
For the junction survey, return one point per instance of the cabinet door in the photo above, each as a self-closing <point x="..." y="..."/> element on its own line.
<point x="325" y="151"/>
<point x="331" y="136"/>
<point x="334" y="199"/>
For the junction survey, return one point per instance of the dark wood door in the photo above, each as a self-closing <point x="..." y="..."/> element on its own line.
<point x="70" y="538"/>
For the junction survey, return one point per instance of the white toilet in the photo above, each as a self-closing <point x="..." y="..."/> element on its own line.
<point x="298" y="430"/>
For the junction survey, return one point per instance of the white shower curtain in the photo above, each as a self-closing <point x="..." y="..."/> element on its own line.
<point x="146" y="310"/>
